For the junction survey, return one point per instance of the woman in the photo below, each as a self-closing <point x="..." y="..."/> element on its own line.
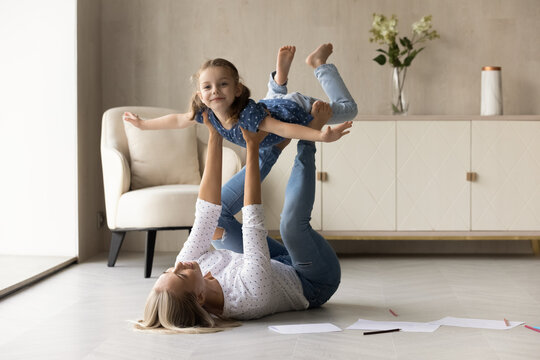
<point x="206" y="288"/>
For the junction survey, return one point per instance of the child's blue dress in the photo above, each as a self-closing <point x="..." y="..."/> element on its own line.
<point x="281" y="109"/>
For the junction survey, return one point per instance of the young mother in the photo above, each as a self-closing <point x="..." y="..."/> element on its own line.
<point x="206" y="289"/>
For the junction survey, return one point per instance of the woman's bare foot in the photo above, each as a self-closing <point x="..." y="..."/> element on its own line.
<point x="319" y="55"/>
<point x="285" y="57"/>
<point x="321" y="112"/>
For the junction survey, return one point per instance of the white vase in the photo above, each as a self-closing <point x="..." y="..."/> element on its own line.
<point x="400" y="102"/>
<point x="491" y="103"/>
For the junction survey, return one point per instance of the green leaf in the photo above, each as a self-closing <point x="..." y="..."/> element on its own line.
<point x="408" y="60"/>
<point x="383" y="51"/>
<point x="395" y="62"/>
<point x="381" y="59"/>
<point x="393" y="48"/>
<point x="406" y="43"/>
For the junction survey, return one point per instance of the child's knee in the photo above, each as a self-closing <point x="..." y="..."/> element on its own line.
<point x="353" y="110"/>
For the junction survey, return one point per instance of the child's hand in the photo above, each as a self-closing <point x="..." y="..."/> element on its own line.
<point x="133" y="119"/>
<point x="253" y="137"/>
<point x="331" y="134"/>
<point x="211" y="129"/>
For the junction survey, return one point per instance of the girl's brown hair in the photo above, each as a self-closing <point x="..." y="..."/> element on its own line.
<point x="239" y="103"/>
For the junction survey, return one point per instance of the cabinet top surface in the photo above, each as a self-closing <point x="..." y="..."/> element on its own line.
<point x="447" y="118"/>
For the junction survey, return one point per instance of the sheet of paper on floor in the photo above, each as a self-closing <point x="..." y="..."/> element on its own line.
<point x="304" y="328"/>
<point x="406" y="326"/>
<point x="476" y="323"/>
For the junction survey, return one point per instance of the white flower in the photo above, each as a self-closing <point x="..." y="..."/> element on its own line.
<point x="422" y="26"/>
<point x="384" y="29"/>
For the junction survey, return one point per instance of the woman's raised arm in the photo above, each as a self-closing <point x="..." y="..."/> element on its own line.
<point x="252" y="186"/>
<point x="210" y="188"/>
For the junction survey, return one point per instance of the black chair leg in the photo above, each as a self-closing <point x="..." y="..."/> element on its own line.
<point x="117" y="239"/>
<point x="150" y="245"/>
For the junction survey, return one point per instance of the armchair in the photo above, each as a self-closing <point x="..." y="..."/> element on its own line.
<point x="151" y="178"/>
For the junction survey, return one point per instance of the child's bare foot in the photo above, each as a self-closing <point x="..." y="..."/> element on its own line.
<point x="321" y="112"/>
<point x="285" y="57"/>
<point x="319" y="55"/>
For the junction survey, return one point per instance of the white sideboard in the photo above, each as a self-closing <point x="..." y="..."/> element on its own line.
<point x="423" y="177"/>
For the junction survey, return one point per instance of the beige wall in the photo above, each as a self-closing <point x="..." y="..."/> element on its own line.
<point x="91" y="200"/>
<point x="149" y="49"/>
<point x="152" y="47"/>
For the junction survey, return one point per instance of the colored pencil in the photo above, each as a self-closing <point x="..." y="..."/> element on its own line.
<point x="381" y="331"/>
<point x="529" y="327"/>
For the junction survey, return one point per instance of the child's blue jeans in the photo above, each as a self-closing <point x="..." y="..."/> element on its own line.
<point x="343" y="105"/>
<point x="304" y="249"/>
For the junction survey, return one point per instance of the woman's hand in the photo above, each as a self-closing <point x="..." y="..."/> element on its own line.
<point x="252" y="184"/>
<point x="211" y="129"/>
<point x="253" y="138"/>
<point x="133" y="119"/>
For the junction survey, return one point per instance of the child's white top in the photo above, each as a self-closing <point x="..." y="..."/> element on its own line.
<point x="253" y="284"/>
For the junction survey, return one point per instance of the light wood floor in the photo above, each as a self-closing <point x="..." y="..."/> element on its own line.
<point x="20" y="270"/>
<point x="82" y="312"/>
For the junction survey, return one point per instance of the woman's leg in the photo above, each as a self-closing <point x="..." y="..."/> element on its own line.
<point x="312" y="257"/>
<point x="232" y="200"/>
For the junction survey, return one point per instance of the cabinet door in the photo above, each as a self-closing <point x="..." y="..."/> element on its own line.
<point x="273" y="189"/>
<point x="433" y="158"/>
<point x="506" y="158"/>
<point x="359" y="191"/>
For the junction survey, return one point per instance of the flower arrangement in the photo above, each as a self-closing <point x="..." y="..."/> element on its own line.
<point x="384" y="32"/>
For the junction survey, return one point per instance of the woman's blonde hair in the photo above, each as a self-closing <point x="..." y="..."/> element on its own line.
<point x="166" y="313"/>
<point x="239" y="103"/>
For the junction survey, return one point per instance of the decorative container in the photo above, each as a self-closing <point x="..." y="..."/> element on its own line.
<point x="491" y="91"/>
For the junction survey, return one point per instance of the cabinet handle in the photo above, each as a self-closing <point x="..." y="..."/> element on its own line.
<point x="322" y="175"/>
<point x="471" y="176"/>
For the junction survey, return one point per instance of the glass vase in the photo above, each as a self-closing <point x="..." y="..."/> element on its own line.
<point x="400" y="102"/>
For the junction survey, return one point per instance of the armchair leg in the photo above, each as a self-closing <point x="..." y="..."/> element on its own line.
<point x="150" y="245"/>
<point x="116" y="243"/>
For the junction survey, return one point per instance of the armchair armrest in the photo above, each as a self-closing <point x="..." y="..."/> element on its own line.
<point x="116" y="180"/>
<point x="231" y="161"/>
<point x="231" y="164"/>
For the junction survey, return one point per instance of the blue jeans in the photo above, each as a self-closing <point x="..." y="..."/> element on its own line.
<point x="343" y="105"/>
<point x="232" y="201"/>
<point x="303" y="248"/>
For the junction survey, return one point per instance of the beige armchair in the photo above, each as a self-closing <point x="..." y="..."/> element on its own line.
<point x="151" y="178"/>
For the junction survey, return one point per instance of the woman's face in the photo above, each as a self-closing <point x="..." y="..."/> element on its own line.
<point x="185" y="276"/>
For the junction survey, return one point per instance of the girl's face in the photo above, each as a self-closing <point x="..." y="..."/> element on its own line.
<point x="185" y="276"/>
<point x="218" y="89"/>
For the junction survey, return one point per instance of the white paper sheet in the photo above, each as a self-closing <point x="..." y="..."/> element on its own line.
<point x="304" y="328"/>
<point x="363" y="324"/>
<point x="477" y="323"/>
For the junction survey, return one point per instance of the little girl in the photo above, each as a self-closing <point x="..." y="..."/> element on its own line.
<point x="282" y="115"/>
